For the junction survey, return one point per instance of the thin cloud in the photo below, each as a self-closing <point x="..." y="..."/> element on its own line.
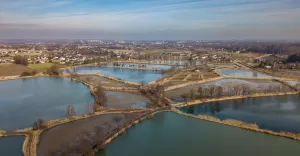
<point x="154" y="16"/>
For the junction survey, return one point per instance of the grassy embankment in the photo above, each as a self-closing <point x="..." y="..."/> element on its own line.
<point x="42" y="67"/>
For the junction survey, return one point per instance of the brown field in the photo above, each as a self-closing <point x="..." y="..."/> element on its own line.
<point x="13" y="69"/>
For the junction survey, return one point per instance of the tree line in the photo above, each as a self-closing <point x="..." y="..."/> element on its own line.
<point x="213" y="91"/>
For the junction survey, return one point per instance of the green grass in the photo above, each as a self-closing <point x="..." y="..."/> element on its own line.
<point x="40" y="66"/>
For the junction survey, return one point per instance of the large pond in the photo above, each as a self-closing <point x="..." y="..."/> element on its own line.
<point x="243" y="73"/>
<point x="170" y="134"/>
<point x="277" y="113"/>
<point x="11" y="146"/>
<point x="123" y="73"/>
<point x="23" y="101"/>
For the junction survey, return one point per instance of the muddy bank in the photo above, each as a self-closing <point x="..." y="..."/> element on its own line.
<point x="52" y="139"/>
<point x="97" y="80"/>
<point x="125" y="100"/>
<point x="203" y="101"/>
<point x="190" y="83"/>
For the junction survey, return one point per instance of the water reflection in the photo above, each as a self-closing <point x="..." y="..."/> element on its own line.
<point x="280" y="113"/>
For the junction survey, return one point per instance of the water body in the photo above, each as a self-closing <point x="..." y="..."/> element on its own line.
<point x="170" y="134"/>
<point x="277" y="113"/>
<point x="23" y="101"/>
<point x="11" y="145"/>
<point x="243" y="73"/>
<point x="125" y="74"/>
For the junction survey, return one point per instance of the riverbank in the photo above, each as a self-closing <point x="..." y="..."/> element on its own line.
<point x="190" y="83"/>
<point x="32" y="140"/>
<point x="240" y="124"/>
<point x="203" y="101"/>
<point x="119" y="131"/>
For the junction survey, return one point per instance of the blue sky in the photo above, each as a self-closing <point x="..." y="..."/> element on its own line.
<point x="151" y="19"/>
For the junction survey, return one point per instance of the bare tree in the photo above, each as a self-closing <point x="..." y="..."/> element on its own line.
<point x="100" y="98"/>
<point x="90" y="108"/>
<point x="38" y="124"/>
<point x="192" y="95"/>
<point x="184" y="97"/>
<point x="70" y="110"/>
<point x="200" y="92"/>
<point x="117" y="119"/>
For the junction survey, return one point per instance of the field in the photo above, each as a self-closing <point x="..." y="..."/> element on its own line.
<point x="40" y="67"/>
<point x="13" y="69"/>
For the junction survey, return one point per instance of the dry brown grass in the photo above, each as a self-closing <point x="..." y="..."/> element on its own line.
<point x="13" y="69"/>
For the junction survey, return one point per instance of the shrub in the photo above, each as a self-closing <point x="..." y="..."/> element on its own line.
<point x="34" y="72"/>
<point x="25" y="74"/>
<point x="53" y="70"/>
<point x="39" y="124"/>
<point x="21" y="60"/>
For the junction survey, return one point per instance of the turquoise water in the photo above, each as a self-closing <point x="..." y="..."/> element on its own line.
<point x="124" y="74"/>
<point x="170" y="134"/>
<point x="243" y="73"/>
<point x="277" y="113"/>
<point x="23" y="101"/>
<point x="11" y="145"/>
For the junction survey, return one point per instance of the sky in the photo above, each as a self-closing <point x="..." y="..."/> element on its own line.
<point x="150" y="19"/>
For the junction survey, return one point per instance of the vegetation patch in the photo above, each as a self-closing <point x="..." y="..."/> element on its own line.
<point x="41" y="67"/>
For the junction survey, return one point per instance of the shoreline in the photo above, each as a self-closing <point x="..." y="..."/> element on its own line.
<point x="242" y="125"/>
<point x="30" y="147"/>
<point x="198" y="102"/>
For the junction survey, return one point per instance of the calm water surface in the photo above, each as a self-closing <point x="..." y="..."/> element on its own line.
<point x="125" y="74"/>
<point x="278" y="113"/>
<point x="23" y="101"/>
<point x="11" y="146"/>
<point x="170" y="134"/>
<point x="243" y="73"/>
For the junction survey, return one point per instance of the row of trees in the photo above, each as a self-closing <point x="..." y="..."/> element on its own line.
<point x="156" y="93"/>
<point x="100" y="98"/>
<point x="214" y="91"/>
<point x="115" y="64"/>
<point x="53" y="70"/>
<point x="21" y="60"/>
